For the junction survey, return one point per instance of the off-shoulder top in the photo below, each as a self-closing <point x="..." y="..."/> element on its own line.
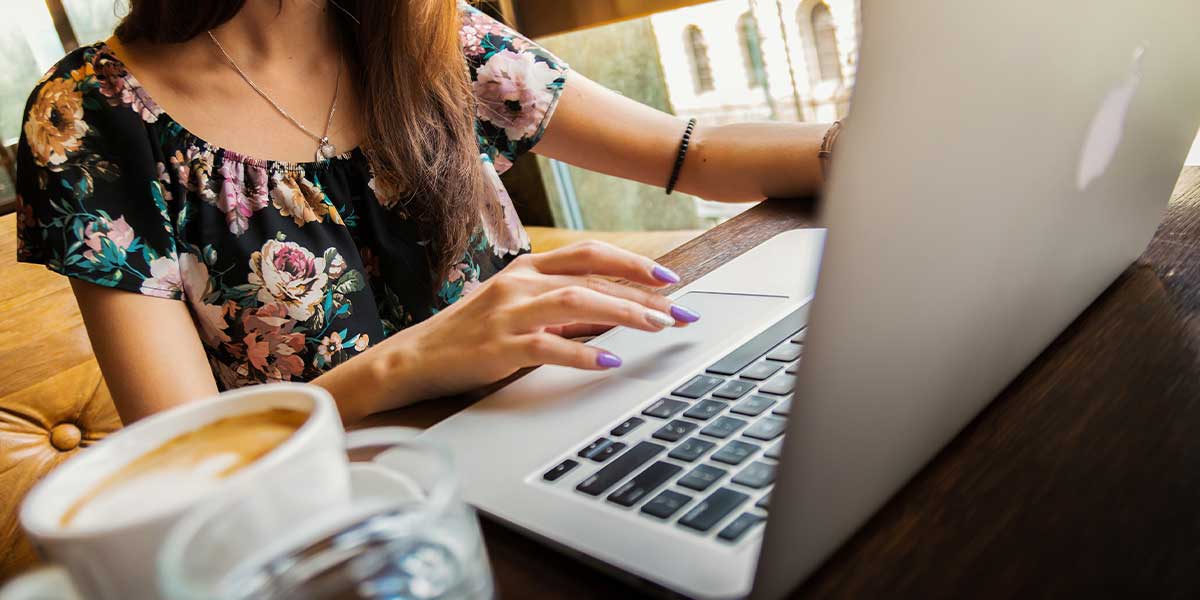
<point x="288" y="269"/>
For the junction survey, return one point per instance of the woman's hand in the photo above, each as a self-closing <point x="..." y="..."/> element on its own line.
<point x="524" y="315"/>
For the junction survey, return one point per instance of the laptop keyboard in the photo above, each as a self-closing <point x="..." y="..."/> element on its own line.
<point x="710" y="458"/>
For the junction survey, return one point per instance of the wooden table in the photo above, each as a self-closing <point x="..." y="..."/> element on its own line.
<point x="1081" y="479"/>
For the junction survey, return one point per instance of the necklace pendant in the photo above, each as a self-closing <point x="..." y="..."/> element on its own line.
<point x="325" y="150"/>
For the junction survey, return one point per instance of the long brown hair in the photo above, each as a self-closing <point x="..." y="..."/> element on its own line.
<point x="416" y="101"/>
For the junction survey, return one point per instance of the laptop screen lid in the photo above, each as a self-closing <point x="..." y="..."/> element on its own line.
<point x="1003" y="164"/>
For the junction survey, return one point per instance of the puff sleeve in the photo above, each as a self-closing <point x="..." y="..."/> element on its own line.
<point x="90" y="193"/>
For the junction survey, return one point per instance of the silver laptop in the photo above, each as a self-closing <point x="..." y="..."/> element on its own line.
<point x="1004" y="162"/>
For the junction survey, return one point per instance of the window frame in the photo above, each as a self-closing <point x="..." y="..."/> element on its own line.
<point x="8" y="148"/>
<point x="697" y="51"/>
<point x="825" y="43"/>
<point x="750" y="40"/>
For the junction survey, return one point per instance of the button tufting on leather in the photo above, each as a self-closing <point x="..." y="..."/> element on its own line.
<point x="65" y="437"/>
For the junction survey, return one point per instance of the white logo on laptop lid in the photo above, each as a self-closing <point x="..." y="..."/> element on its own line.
<point x="1104" y="134"/>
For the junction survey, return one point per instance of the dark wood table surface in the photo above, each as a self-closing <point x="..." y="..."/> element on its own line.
<point x="1082" y="478"/>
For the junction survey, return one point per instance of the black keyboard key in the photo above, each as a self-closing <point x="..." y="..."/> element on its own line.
<point x="783" y="409"/>
<point x="594" y="447"/>
<point x="561" y="469"/>
<point x="760" y="371"/>
<point x="712" y="509"/>
<point x="764" y="502"/>
<point x="753" y="406"/>
<point x="698" y="386"/>
<point x="799" y="337"/>
<point x="643" y="483"/>
<point x="666" y="504"/>
<point x="691" y="449"/>
<point x="766" y="429"/>
<point x="757" y="475"/>
<point x="779" y="385"/>
<point x="705" y="410"/>
<point x="625" y="464"/>
<point x="774" y="451"/>
<point x="735" y="452"/>
<point x="793" y="368"/>
<point x="702" y="477"/>
<point x="674" y="431"/>
<point x="608" y="451"/>
<point x="761" y="344"/>
<point x="786" y="353"/>
<point x="665" y="408"/>
<point x="734" y="389"/>
<point x="739" y="526"/>
<point x="629" y="425"/>
<point x="723" y="427"/>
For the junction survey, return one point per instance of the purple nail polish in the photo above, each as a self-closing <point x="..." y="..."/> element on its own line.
<point x="608" y="360"/>
<point x="664" y="274"/>
<point x="684" y="314"/>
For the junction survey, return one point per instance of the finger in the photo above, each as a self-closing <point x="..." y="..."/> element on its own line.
<point x="683" y="315"/>
<point x="598" y="258"/>
<point x="577" y="304"/>
<point x="680" y="313"/>
<point x="548" y="349"/>
<point x="578" y="330"/>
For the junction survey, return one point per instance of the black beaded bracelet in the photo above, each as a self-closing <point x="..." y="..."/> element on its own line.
<point x="683" y="148"/>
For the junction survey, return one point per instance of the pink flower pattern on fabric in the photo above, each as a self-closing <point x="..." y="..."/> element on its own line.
<point x="289" y="274"/>
<point x="118" y="233"/>
<point x="513" y="92"/>
<point x="164" y="280"/>
<point x="243" y="192"/>
<point x="501" y="223"/>
<point x="197" y="287"/>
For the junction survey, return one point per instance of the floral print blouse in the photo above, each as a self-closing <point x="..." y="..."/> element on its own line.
<point x="288" y="269"/>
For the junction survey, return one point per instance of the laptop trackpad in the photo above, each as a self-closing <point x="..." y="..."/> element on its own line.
<point x="724" y="317"/>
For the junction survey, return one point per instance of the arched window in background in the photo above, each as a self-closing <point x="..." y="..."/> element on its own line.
<point x="752" y="55"/>
<point x="697" y="50"/>
<point x="829" y="59"/>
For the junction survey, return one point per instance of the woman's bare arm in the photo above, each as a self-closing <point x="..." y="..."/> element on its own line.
<point x="147" y="347"/>
<point x="152" y="357"/>
<point x="601" y="130"/>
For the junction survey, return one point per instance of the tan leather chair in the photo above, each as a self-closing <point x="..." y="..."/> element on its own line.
<point x="53" y="401"/>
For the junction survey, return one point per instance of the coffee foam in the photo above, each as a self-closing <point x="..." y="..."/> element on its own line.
<point x="183" y="468"/>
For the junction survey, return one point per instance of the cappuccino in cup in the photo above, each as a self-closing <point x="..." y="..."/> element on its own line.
<point x="185" y="467"/>
<point x="102" y="516"/>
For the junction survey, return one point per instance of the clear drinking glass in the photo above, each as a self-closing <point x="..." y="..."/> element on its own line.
<point x="405" y="534"/>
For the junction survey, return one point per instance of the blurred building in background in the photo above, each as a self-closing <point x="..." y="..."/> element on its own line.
<point x="779" y="60"/>
<point x="722" y="61"/>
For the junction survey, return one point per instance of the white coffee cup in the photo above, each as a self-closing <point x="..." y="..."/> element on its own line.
<point x="308" y="472"/>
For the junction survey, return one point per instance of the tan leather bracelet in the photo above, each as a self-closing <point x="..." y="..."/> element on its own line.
<point x="825" y="154"/>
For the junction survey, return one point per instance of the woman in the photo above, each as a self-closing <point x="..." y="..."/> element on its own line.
<point x="304" y="190"/>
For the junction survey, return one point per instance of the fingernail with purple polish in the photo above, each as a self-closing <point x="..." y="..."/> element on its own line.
<point x="684" y="314"/>
<point x="608" y="360"/>
<point x="664" y="274"/>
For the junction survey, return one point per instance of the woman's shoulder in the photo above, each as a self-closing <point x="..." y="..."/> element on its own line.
<point x="91" y="206"/>
<point x="85" y="97"/>
<point x="516" y="83"/>
<point x="482" y="37"/>
<point x="89" y="80"/>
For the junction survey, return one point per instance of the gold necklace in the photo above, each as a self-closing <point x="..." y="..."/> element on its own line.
<point x="325" y="149"/>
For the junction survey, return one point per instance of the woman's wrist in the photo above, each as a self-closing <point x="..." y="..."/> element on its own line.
<point x="377" y="380"/>
<point x="396" y="371"/>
